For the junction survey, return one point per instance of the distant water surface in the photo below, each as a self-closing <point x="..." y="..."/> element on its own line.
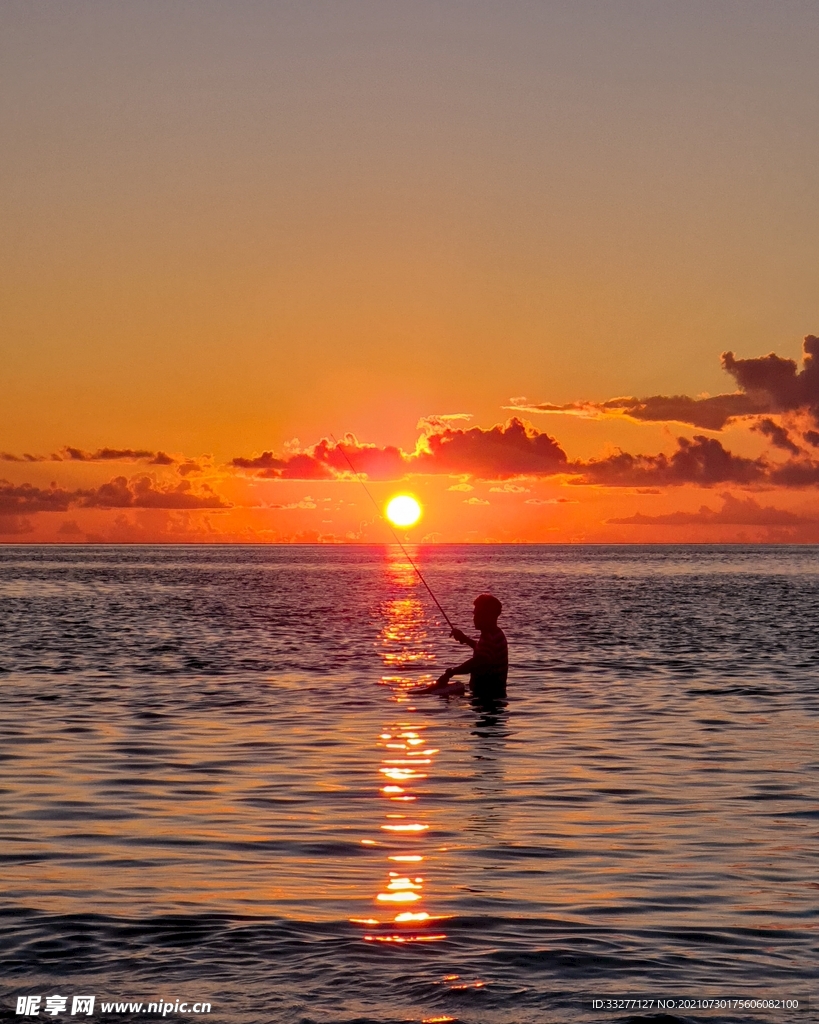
<point x="215" y="786"/>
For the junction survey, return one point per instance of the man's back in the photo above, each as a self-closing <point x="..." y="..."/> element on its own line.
<point x="491" y="664"/>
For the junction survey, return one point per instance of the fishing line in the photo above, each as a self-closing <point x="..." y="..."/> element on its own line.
<point x="392" y="531"/>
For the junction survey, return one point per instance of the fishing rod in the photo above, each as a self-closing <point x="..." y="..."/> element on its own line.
<point x="392" y="531"/>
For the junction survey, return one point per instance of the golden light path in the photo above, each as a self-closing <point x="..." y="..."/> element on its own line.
<point x="406" y="761"/>
<point x="403" y="510"/>
<point x="400" y="912"/>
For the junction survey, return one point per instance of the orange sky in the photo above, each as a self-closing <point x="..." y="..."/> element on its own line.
<point x="232" y="225"/>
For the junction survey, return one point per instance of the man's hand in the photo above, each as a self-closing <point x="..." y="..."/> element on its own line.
<point x="460" y="636"/>
<point x="444" y="679"/>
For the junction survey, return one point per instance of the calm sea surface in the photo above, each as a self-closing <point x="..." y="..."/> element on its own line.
<point x="215" y="787"/>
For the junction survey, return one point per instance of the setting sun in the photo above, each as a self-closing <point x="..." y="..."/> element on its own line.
<point x="403" y="510"/>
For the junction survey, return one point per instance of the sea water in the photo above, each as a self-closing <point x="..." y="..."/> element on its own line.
<point x="217" y="789"/>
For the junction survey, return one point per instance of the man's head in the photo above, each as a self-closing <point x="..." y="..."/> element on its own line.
<point x="487" y="610"/>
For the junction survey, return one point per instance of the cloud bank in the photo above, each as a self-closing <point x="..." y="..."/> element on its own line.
<point x="734" y="512"/>
<point x="517" y="449"/>
<point x="514" y="448"/>
<point x="776" y="398"/>
<point x="71" y="454"/>
<point x="141" y="492"/>
<point x="702" y="461"/>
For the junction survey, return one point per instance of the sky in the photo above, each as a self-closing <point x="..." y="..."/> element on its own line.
<point x="550" y="267"/>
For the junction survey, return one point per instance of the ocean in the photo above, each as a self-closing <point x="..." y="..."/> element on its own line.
<point x="216" y="788"/>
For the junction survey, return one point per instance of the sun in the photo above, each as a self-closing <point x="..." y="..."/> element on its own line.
<point x="403" y="510"/>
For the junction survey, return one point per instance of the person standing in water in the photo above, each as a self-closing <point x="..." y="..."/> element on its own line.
<point x="489" y="665"/>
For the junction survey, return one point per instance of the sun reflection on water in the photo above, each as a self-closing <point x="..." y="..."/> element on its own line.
<point x="400" y="914"/>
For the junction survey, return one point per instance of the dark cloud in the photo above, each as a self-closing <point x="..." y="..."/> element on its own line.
<point x="778" y="381"/>
<point x="142" y="493"/>
<point x="734" y="512"/>
<point x="328" y="460"/>
<point x="768" y="385"/>
<point x="512" y="449"/>
<point x="25" y="457"/>
<point x="702" y="461"/>
<point x="707" y="413"/>
<point x="114" y="455"/>
<point x="778" y="436"/>
<point x="71" y="454"/>
<point x="301" y="466"/>
<point x="812" y="437"/>
<point x="18" y="499"/>
<point x="517" y="449"/>
<point x="795" y="473"/>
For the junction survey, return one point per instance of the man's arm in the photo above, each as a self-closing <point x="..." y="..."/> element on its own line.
<point x="459" y="670"/>
<point x="462" y="638"/>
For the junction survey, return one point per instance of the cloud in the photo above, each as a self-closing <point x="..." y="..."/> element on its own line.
<point x="708" y="413"/>
<point x="795" y="473"/>
<point x="435" y="422"/>
<point x="767" y="385"/>
<point x="702" y="461"/>
<point x="327" y="461"/>
<point x="510" y="488"/>
<point x="18" y="499"/>
<point x="71" y="454"/>
<point x="14" y="526"/>
<point x="512" y="449"/>
<point x="778" y="381"/>
<point x="778" y="435"/>
<point x="110" y="455"/>
<point x="25" y="457"/>
<point x="298" y="467"/>
<point x="475" y="501"/>
<point x="304" y="503"/>
<point x="734" y="512"/>
<point x="550" y="501"/>
<point x="141" y="492"/>
<point x="164" y="526"/>
<point x="517" y="449"/>
<point x="69" y="529"/>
